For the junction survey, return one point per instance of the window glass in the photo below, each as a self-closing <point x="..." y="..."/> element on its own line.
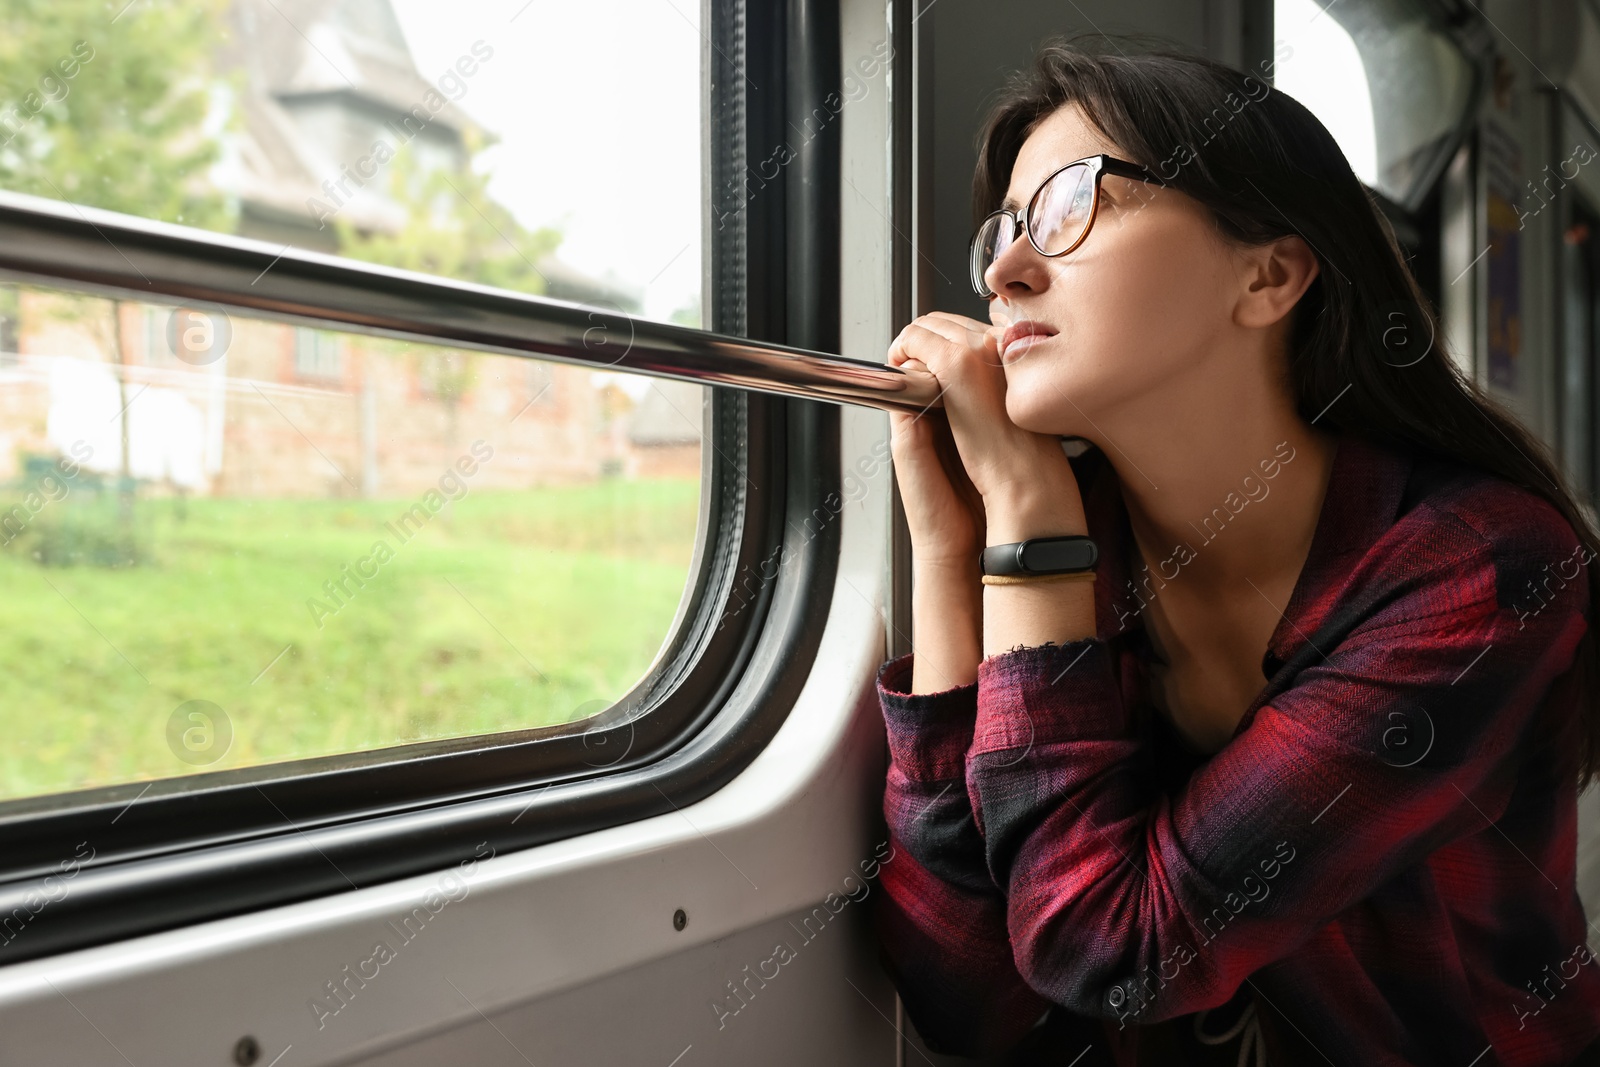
<point x="1385" y="80"/>
<point x="228" y="541"/>
<point x="213" y="561"/>
<point x="479" y="140"/>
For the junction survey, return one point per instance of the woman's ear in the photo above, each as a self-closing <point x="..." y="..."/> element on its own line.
<point x="1272" y="279"/>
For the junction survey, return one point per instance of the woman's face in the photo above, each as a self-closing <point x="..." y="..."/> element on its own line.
<point x="1138" y="310"/>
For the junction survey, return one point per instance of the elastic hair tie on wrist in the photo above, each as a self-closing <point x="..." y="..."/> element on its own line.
<point x="1029" y="579"/>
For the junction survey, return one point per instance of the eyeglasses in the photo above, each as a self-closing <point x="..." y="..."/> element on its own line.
<point x="1058" y="216"/>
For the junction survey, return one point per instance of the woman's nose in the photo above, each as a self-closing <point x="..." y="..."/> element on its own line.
<point x="1018" y="269"/>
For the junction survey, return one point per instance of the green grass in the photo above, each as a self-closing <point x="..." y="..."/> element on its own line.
<point x="505" y="611"/>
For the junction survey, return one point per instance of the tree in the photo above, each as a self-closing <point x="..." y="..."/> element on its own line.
<point x="453" y="229"/>
<point x="106" y="108"/>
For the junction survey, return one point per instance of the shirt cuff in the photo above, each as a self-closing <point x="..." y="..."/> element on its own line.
<point x="1048" y="693"/>
<point x="928" y="733"/>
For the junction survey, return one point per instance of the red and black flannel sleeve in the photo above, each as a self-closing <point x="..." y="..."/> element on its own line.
<point x="1130" y="903"/>
<point x="941" y="919"/>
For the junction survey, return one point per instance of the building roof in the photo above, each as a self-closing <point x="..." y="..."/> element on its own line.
<point x="296" y="58"/>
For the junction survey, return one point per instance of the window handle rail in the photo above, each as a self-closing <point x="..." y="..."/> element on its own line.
<point x="50" y="242"/>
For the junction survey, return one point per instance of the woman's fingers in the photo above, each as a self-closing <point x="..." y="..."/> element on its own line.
<point x="968" y="332"/>
<point x="961" y="336"/>
<point x="963" y="322"/>
<point x="977" y="445"/>
<point x="962" y="356"/>
<point x="938" y="334"/>
<point x="918" y="342"/>
<point x="945" y="349"/>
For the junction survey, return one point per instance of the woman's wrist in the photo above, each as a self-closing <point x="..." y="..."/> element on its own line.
<point x="955" y="567"/>
<point x="1027" y="615"/>
<point x="1019" y="516"/>
<point x="946" y="613"/>
<point x="1030" y="614"/>
<point x="1044" y="503"/>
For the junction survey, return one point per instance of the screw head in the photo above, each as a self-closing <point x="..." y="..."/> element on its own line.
<point x="246" y="1052"/>
<point x="679" y="919"/>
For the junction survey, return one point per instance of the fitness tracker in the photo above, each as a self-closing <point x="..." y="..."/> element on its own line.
<point x="1042" y="555"/>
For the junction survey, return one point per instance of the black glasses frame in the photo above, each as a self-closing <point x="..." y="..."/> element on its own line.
<point x="1099" y="165"/>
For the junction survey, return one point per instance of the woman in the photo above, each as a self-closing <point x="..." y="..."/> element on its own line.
<point x="1294" y="776"/>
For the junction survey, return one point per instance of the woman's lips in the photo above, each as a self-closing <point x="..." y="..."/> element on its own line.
<point x="1021" y="336"/>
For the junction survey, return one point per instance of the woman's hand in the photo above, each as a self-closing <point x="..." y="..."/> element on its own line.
<point x="970" y="477"/>
<point x="1012" y="483"/>
<point x="944" y="514"/>
<point x="944" y="510"/>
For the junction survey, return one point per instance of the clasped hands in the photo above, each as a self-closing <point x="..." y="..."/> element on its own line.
<point x="973" y="477"/>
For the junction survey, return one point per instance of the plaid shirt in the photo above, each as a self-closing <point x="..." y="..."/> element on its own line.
<point x="1381" y="859"/>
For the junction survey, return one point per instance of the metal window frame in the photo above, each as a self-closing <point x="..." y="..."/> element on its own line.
<point x="186" y="850"/>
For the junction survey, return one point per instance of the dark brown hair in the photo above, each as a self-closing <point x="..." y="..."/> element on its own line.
<point x="1266" y="168"/>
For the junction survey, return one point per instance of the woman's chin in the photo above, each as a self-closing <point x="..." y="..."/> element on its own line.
<point x="1039" y="408"/>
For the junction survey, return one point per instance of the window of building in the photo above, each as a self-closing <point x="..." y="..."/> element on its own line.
<point x="318" y="354"/>
<point x="539" y="383"/>
<point x="10" y="317"/>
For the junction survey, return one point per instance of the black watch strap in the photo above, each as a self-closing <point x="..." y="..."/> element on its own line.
<point x="1042" y="555"/>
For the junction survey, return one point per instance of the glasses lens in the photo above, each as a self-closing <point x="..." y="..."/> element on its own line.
<point x="988" y="245"/>
<point x="1061" y="209"/>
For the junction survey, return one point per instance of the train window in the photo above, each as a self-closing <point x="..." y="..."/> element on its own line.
<point x="332" y="559"/>
<point x="244" y="542"/>
<point x="233" y="542"/>
<point x="1387" y="81"/>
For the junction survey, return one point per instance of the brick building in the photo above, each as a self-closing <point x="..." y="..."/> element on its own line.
<point x="289" y="411"/>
